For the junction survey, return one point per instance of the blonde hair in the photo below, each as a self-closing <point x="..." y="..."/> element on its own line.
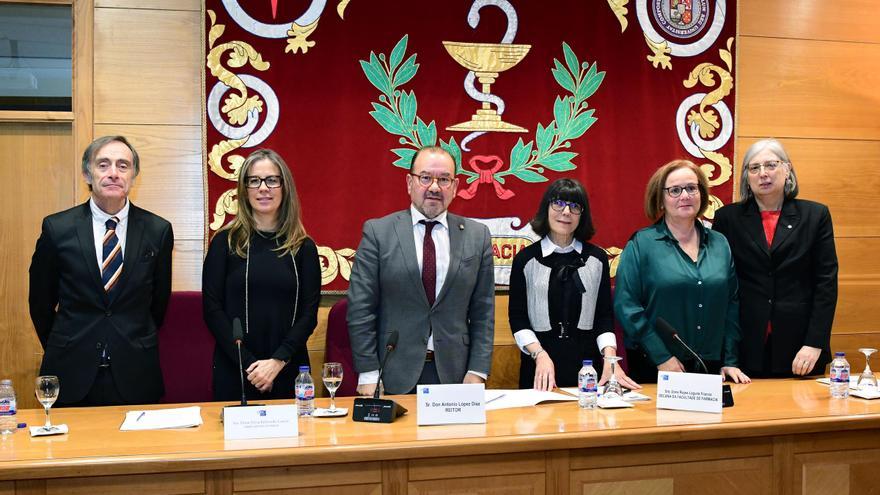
<point x="291" y="233"/>
<point x="654" y="191"/>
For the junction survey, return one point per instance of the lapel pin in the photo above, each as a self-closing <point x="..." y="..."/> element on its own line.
<point x="461" y="226"/>
<point x="789" y="226"/>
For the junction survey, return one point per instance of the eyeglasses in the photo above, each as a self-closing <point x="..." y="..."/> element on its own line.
<point x="560" y="204"/>
<point x="426" y="180"/>
<point x="769" y="166"/>
<point x="254" y="182"/>
<point x="675" y="191"/>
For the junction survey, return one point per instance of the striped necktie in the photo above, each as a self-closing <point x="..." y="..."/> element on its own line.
<point x="111" y="267"/>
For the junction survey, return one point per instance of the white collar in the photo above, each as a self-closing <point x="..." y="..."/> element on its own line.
<point x="417" y="217"/>
<point x="548" y="247"/>
<point x="101" y="216"/>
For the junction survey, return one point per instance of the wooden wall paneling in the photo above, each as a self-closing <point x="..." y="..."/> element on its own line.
<point x="83" y="86"/>
<point x="40" y="182"/>
<point x="842" y="174"/>
<point x="855" y="299"/>
<point x="857" y="257"/>
<point x="170" y="183"/>
<point x="850" y="344"/>
<point x="187" y="264"/>
<point x="810" y="20"/>
<point x="191" y="5"/>
<point x="149" y="71"/>
<point x="806" y="88"/>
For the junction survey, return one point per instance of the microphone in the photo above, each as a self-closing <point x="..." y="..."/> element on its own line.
<point x="666" y="328"/>
<point x="237" y="337"/>
<point x="373" y="409"/>
<point x="390" y="346"/>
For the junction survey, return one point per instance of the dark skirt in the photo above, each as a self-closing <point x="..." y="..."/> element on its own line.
<point x="567" y="355"/>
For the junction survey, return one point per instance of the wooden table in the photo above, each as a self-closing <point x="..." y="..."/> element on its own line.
<point x="783" y="436"/>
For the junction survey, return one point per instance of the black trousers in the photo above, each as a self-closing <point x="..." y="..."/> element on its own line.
<point x="102" y="393"/>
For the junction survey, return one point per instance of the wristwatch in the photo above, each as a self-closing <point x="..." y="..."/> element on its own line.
<point x="536" y="354"/>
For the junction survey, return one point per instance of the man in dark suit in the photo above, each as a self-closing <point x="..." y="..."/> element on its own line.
<point x="100" y="280"/>
<point x="428" y="275"/>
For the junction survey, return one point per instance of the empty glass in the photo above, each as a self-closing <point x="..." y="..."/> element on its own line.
<point x="613" y="390"/>
<point x="867" y="380"/>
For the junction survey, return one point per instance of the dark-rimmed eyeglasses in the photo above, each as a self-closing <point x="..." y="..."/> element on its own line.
<point x="769" y="166"/>
<point x="560" y="204"/>
<point x="675" y="191"/>
<point x="426" y="180"/>
<point x="254" y="182"/>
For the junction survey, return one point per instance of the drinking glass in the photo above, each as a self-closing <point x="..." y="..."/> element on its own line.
<point x="867" y="380"/>
<point x="613" y="390"/>
<point x="332" y="376"/>
<point x="47" y="388"/>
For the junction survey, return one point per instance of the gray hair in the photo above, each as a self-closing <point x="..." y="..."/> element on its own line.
<point x="95" y="147"/>
<point x="775" y="147"/>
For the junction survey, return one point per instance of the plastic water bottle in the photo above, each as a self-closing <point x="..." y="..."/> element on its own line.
<point x="587" y="385"/>
<point x="8" y="408"/>
<point x="305" y="392"/>
<point x="839" y="377"/>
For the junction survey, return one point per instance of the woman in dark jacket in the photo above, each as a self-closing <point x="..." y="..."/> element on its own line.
<point x="786" y="264"/>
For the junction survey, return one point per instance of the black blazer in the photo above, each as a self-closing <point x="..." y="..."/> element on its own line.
<point x="73" y="315"/>
<point x="793" y="284"/>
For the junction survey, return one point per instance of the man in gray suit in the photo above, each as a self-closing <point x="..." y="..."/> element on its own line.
<point x="428" y="275"/>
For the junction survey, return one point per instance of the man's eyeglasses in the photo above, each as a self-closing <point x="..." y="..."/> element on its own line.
<point x="675" y="191"/>
<point x="426" y="180"/>
<point x="560" y="204"/>
<point x="254" y="182"/>
<point x="769" y="166"/>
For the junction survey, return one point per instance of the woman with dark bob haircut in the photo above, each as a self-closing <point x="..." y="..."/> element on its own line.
<point x="560" y="295"/>
<point x="786" y="264"/>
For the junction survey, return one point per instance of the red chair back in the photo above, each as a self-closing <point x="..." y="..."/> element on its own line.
<point x="338" y="348"/>
<point x="186" y="349"/>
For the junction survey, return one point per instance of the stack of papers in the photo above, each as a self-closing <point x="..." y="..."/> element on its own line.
<point x="854" y="389"/>
<point x="160" y="419"/>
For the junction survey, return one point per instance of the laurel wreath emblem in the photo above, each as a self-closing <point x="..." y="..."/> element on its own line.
<point x="397" y="113"/>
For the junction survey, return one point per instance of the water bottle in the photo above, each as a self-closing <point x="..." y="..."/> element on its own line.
<point x="8" y="408"/>
<point x="839" y="377"/>
<point x="305" y="392"/>
<point x="587" y="385"/>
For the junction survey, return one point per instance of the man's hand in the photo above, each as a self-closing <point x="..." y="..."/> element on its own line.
<point x="367" y="389"/>
<point x="472" y="378"/>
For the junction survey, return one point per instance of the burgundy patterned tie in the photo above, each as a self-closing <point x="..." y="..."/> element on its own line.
<point x="429" y="262"/>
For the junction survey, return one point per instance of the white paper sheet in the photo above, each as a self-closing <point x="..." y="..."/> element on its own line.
<point x="504" y="399"/>
<point x="631" y="396"/>
<point x="160" y="419"/>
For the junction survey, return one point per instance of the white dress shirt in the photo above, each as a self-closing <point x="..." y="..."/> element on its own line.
<point x="99" y="228"/>
<point x="526" y="336"/>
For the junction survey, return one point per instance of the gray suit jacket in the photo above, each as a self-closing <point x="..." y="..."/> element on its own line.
<point x="386" y="294"/>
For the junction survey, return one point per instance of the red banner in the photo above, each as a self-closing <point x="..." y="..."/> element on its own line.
<point x="520" y="93"/>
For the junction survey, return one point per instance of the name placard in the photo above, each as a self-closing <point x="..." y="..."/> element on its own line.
<point x="252" y="422"/>
<point x="689" y="391"/>
<point x="451" y="404"/>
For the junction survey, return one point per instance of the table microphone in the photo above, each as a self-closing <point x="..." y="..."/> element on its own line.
<point x="237" y="337"/>
<point x="373" y="409"/>
<point x="666" y="328"/>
